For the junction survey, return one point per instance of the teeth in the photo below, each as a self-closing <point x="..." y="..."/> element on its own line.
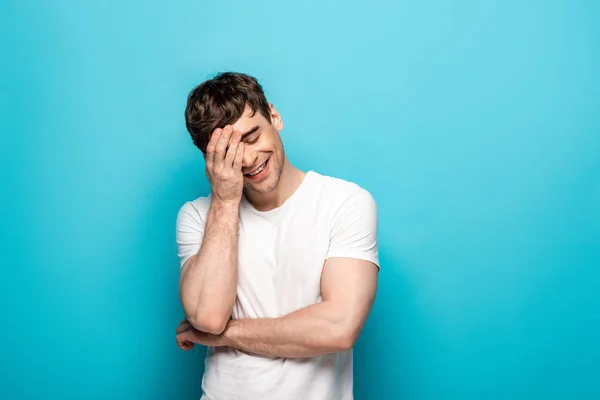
<point x="259" y="169"/>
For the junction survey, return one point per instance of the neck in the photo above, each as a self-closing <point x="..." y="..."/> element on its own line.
<point x="290" y="180"/>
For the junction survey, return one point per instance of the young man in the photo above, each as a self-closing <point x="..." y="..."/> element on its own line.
<point x="278" y="266"/>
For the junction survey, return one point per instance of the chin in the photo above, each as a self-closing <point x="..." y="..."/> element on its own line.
<point x="263" y="187"/>
<point x="266" y="186"/>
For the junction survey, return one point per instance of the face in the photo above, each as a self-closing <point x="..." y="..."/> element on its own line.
<point x="263" y="150"/>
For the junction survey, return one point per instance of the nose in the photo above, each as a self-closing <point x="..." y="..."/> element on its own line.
<point x="249" y="157"/>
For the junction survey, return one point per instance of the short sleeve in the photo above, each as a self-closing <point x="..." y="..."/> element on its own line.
<point x="189" y="231"/>
<point x="354" y="229"/>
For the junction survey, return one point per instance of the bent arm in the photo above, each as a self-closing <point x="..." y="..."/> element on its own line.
<point x="348" y="289"/>
<point x="208" y="279"/>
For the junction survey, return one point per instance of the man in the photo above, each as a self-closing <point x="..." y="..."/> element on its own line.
<point x="278" y="266"/>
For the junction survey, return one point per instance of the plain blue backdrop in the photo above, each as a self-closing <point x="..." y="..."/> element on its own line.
<point x="474" y="124"/>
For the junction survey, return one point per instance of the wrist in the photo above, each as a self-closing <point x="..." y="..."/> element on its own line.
<point x="221" y="205"/>
<point x="228" y="335"/>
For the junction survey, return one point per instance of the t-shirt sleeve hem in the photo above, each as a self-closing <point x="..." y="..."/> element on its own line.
<point x="183" y="260"/>
<point x="357" y="255"/>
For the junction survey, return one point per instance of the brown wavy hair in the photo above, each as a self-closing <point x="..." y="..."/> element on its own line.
<point x="221" y="101"/>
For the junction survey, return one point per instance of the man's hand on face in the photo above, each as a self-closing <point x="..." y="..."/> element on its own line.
<point x="187" y="336"/>
<point x="224" y="156"/>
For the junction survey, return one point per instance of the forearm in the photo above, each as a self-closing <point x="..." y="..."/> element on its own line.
<point x="309" y="332"/>
<point x="209" y="281"/>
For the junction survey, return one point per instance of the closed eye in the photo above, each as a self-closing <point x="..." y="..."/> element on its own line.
<point x="252" y="135"/>
<point x="253" y="138"/>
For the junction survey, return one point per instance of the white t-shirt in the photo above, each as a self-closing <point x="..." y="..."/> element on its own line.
<point x="281" y="256"/>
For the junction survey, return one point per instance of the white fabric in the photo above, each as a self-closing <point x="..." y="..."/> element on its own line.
<point x="281" y="256"/>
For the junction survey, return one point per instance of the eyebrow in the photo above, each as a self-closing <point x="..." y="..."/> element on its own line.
<point x="250" y="132"/>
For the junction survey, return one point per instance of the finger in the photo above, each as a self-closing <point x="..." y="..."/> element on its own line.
<point x="180" y="339"/>
<point x="212" y="143"/>
<point x="219" y="155"/>
<point x="188" y="345"/>
<point x="182" y="328"/>
<point x="239" y="157"/>
<point x="183" y="321"/>
<point x="233" y="145"/>
<point x="185" y="344"/>
<point x="184" y="341"/>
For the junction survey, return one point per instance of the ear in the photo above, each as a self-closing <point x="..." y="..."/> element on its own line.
<point x="276" y="120"/>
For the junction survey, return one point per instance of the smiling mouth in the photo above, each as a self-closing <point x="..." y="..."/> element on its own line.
<point x="258" y="170"/>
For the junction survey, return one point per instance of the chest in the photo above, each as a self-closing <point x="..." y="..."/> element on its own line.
<point x="281" y="260"/>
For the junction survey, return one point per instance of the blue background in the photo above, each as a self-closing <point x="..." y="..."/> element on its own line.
<point x="474" y="124"/>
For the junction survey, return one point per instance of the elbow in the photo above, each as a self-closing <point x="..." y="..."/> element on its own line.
<point x="346" y="338"/>
<point x="204" y="318"/>
<point x="209" y="323"/>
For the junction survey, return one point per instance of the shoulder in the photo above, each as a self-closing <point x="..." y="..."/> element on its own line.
<point x="353" y="220"/>
<point x="338" y="191"/>
<point x="194" y="210"/>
